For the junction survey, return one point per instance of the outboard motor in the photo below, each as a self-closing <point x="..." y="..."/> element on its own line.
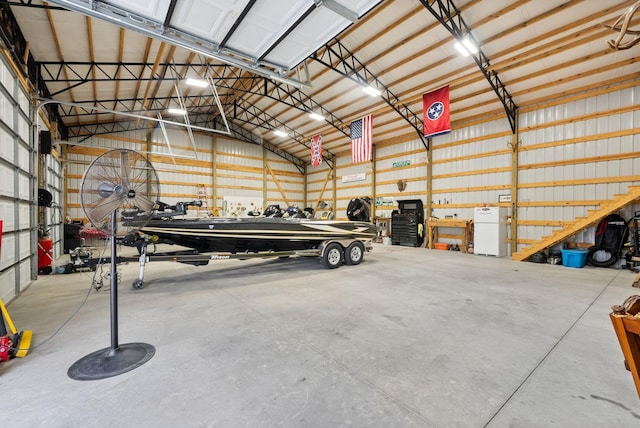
<point x="358" y="210"/>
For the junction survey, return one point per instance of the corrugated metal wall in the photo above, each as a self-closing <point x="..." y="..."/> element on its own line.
<point x="52" y="217"/>
<point x="394" y="162"/>
<point x="17" y="187"/>
<point x="220" y="168"/>
<point x="320" y="181"/>
<point x="571" y="154"/>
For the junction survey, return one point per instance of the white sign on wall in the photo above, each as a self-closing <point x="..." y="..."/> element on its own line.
<point x="354" y="177"/>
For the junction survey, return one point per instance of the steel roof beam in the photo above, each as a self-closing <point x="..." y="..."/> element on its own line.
<point x="336" y="56"/>
<point x="85" y="131"/>
<point x="254" y="116"/>
<point x="157" y="30"/>
<point x="224" y="76"/>
<point x="450" y="17"/>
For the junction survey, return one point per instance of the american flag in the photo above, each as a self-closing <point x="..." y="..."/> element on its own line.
<point x="316" y="150"/>
<point x="361" y="139"/>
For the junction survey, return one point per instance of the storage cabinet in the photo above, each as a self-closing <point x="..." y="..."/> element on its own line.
<point x="407" y="224"/>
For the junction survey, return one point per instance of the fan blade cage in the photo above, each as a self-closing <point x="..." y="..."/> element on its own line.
<point x="121" y="181"/>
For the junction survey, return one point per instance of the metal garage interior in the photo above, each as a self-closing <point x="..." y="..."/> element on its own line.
<point x="543" y="113"/>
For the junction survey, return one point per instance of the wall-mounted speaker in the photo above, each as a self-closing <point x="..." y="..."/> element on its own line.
<point x="45" y="142"/>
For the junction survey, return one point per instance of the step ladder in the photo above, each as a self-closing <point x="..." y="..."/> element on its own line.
<point x="201" y="195"/>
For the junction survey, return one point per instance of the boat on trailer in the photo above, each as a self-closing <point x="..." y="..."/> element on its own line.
<point x="255" y="234"/>
<point x="334" y="242"/>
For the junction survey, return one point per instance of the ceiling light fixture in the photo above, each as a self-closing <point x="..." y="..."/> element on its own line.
<point x="374" y="92"/>
<point x="200" y="83"/>
<point x="279" y="133"/>
<point x="315" y="116"/>
<point x="466" y="47"/>
<point x="177" y="111"/>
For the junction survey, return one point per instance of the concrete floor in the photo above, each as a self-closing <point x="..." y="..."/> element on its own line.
<point x="409" y="338"/>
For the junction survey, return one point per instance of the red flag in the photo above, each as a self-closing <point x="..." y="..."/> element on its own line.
<point x="435" y="109"/>
<point x="361" y="139"/>
<point x="316" y="150"/>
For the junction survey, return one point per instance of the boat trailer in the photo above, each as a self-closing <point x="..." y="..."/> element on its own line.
<point x="331" y="253"/>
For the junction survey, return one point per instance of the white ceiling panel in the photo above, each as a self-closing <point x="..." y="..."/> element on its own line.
<point x="152" y="9"/>
<point x="321" y="25"/>
<point x="265" y="23"/>
<point x="211" y="19"/>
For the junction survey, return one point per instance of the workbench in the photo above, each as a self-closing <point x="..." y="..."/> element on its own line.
<point x="464" y="237"/>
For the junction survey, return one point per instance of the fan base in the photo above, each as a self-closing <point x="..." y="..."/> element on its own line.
<point x="110" y="362"/>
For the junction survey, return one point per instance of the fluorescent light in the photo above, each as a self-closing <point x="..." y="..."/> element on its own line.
<point x="176" y="111"/>
<point x="200" y="83"/>
<point x="374" y="92"/>
<point x="466" y="47"/>
<point x="279" y="133"/>
<point x="315" y="116"/>
<point x="471" y="47"/>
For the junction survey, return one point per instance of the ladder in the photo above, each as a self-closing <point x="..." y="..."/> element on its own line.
<point x="202" y="197"/>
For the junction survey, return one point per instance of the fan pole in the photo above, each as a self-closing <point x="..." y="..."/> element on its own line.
<point x="113" y="289"/>
<point x="117" y="359"/>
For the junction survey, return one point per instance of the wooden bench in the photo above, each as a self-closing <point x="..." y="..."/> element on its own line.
<point x="464" y="237"/>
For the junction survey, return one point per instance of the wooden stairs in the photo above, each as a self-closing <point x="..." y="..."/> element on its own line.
<point x="580" y="223"/>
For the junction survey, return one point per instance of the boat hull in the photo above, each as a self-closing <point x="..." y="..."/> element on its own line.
<point x="255" y="234"/>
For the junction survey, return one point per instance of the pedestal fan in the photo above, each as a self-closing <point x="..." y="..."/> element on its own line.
<point x="119" y="182"/>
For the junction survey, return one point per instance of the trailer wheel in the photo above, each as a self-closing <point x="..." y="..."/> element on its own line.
<point x="137" y="284"/>
<point x="354" y="253"/>
<point x="332" y="257"/>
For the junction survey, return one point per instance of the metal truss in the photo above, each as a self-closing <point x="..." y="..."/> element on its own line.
<point x="204" y="120"/>
<point x="234" y="79"/>
<point x="337" y="57"/>
<point x="86" y="131"/>
<point x="449" y="16"/>
<point x="247" y="113"/>
<point x="161" y="31"/>
<point x="225" y="77"/>
<point x="12" y="39"/>
<point x="242" y="134"/>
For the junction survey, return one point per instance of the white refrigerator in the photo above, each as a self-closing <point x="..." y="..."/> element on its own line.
<point x="490" y="231"/>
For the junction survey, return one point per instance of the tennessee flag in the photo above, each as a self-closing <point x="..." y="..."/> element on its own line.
<point x="435" y="109"/>
<point x="316" y="150"/>
<point x="361" y="139"/>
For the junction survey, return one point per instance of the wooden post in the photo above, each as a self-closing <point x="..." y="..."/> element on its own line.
<point x="515" y="144"/>
<point x="372" y="211"/>
<point x="214" y="193"/>
<point x="277" y="182"/>
<point x="334" y="172"/>
<point x="265" y="190"/>
<point x="429" y="182"/>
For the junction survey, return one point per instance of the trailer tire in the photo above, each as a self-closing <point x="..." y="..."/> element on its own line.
<point x="354" y="253"/>
<point x="332" y="256"/>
